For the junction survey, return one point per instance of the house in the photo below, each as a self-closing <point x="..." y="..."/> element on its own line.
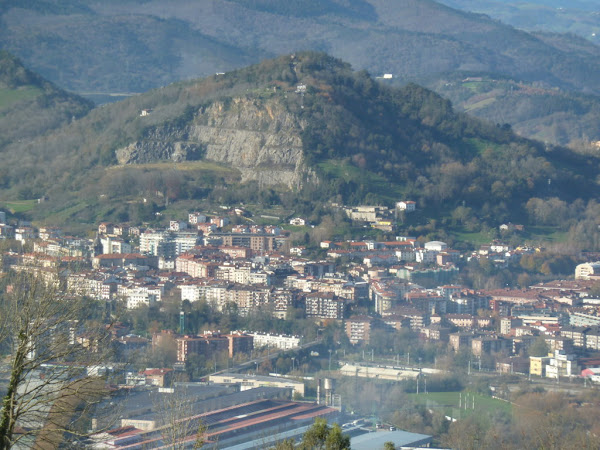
<point x="145" y="112"/>
<point x="177" y="225"/>
<point x="24" y="234"/>
<point x="105" y="228"/>
<point x="297" y="251"/>
<point x="196" y="217"/>
<point x="158" y="377"/>
<point x="297" y="221"/>
<point x="407" y="206"/>
<point x="121" y="230"/>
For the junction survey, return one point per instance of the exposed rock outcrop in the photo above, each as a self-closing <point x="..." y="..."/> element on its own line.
<point x="259" y="138"/>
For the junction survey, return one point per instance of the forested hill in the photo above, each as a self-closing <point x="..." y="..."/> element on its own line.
<point x="135" y="45"/>
<point x="30" y="105"/>
<point x="304" y="124"/>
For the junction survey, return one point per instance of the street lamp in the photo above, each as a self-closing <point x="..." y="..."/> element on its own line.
<point x="330" y="359"/>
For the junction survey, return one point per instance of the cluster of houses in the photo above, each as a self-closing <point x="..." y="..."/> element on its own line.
<point x="402" y="283"/>
<point x="380" y="217"/>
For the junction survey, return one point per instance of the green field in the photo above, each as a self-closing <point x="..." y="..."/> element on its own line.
<point x="19" y="206"/>
<point x="546" y="234"/>
<point x="475" y="238"/>
<point x="449" y="402"/>
<point x="10" y="96"/>
<point x="200" y="166"/>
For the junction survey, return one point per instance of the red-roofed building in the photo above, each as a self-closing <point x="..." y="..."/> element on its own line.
<point x="158" y="377"/>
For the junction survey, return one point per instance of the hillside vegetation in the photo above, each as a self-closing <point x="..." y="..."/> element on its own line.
<point x="31" y="106"/>
<point x="348" y="139"/>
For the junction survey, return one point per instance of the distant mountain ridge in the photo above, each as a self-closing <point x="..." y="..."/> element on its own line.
<point x="153" y="45"/>
<point x="135" y="45"/>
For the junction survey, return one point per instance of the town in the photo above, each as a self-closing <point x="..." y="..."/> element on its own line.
<point x="176" y="295"/>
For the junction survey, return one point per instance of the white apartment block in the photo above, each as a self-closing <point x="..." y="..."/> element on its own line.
<point x="138" y="295"/>
<point x="280" y="341"/>
<point x="167" y="244"/>
<point x="112" y="246"/>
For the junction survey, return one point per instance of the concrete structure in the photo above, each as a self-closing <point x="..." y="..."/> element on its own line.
<point x="210" y="343"/>
<point x="537" y="365"/>
<point x="588" y="271"/>
<point x="256" y="242"/>
<point x="580" y="319"/>
<point x="242" y="420"/>
<point x="562" y="364"/>
<point x="435" y="246"/>
<point x="253" y="381"/>
<point x="324" y="305"/>
<point x="279" y="341"/>
<point x="367" y="213"/>
<point x="400" y="439"/>
<point x="489" y="344"/>
<point x="408" y="206"/>
<point x="358" y="329"/>
<point x="381" y="373"/>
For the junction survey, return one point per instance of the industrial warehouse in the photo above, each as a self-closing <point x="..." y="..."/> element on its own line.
<point x="235" y="412"/>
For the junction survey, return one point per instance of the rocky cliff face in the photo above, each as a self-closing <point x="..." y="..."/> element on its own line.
<point x="259" y="138"/>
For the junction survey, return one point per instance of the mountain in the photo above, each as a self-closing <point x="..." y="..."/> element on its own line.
<point x="106" y="50"/>
<point x="134" y="45"/>
<point x="299" y="130"/>
<point x="30" y="106"/>
<point x="577" y="17"/>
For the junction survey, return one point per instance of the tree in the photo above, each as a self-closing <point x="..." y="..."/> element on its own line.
<point x="52" y="344"/>
<point x="539" y="347"/>
<point x="288" y="444"/>
<point x="322" y="436"/>
<point x="179" y="418"/>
